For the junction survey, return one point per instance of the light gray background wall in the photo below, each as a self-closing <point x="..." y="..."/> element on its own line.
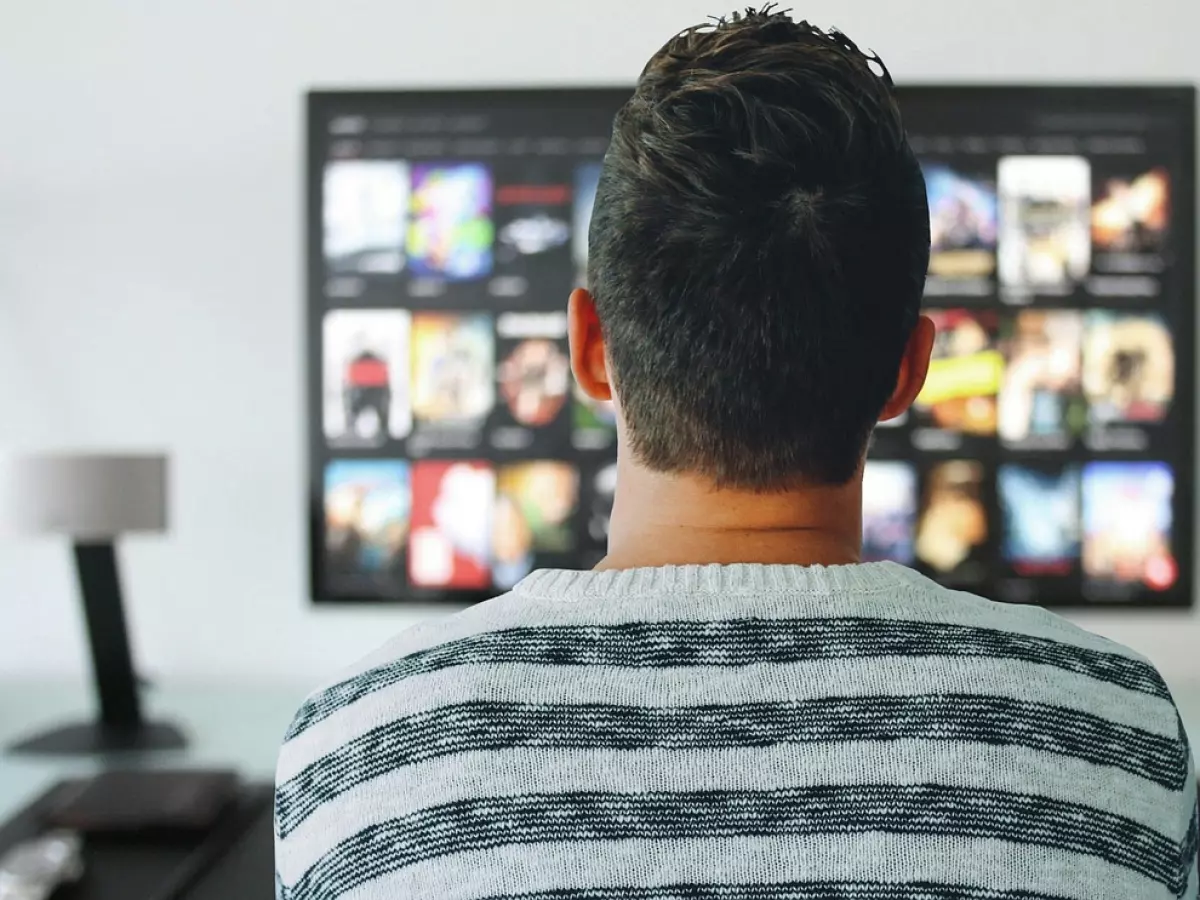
<point x="150" y="260"/>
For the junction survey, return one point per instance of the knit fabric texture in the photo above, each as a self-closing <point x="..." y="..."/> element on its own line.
<point x="739" y="733"/>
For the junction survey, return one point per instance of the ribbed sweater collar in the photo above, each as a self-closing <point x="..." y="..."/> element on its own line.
<point x="741" y="578"/>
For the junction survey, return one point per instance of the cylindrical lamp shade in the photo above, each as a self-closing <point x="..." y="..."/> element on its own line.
<point x="89" y="497"/>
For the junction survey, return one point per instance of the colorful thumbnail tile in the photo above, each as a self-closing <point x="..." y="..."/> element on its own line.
<point x="367" y="509"/>
<point x="451" y="232"/>
<point x="1040" y="508"/>
<point x="965" y="373"/>
<point x="889" y="511"/>
<point x="452" y="513"/>
<point x="365" y="215"/>
<point x="1128" y="367"/>
<point x="365" y="375"/>
<point x="1128" y="519"/>
<point x="535" y="508"/>
<point x="453" y="367"/>
<point x="1045" y="217"/>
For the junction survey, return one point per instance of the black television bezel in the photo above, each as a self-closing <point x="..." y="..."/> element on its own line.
<point x="1180" y="99"/>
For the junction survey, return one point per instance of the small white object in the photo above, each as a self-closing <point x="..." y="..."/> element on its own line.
<point x="35" y="869"/>
<point x="86" y="496"/>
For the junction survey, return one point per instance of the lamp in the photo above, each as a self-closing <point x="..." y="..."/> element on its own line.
<point x="94" y="499"/>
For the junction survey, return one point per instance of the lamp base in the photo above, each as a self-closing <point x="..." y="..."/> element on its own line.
<point x="95" y="739"/>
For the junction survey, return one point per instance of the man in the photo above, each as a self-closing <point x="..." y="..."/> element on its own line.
<point x="730" y="706"/>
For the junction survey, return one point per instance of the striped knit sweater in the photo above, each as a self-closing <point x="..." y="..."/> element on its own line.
<point x="740" y="733"/>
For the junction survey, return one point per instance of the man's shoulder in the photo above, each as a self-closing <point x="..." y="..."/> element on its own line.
<point x="422" y="648"/>
<point x="497" y="614"/>
<point x="448" y="660"/>
<point x="368" y="717"/>
<point x="1096" y="671"/>
<point x="1036" y="622"/>
<point x="501" y="626"/>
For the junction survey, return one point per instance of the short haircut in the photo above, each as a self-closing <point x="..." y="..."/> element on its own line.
<point x="757" y="253"/>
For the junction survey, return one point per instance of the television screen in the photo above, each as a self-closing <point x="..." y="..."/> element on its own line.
<point x="1048" y="459"/>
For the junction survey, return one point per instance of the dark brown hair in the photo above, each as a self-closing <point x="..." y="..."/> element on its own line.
<point x="758" y="252"/>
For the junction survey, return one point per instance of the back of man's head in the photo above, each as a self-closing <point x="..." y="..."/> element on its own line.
<point x="758" y="253"/>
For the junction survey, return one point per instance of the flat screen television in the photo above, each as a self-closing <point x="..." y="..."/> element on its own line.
<point x="1049" y="459"/>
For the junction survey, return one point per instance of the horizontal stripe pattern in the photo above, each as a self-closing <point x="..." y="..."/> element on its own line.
<point x="757" y="732"/>
<point x="467" y="776"/>
<point x="731" y="642"/>
<point x="483" y="725"/>
<point x="794" y="890"/>
<point x="768" y="683"/>
<point x="837" y="809"/>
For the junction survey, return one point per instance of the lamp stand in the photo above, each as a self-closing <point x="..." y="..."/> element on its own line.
<point x="120" y="727"/>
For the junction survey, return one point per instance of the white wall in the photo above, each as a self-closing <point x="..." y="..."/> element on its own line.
<point x="150" y="259"/>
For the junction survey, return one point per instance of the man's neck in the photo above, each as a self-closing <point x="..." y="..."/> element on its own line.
<point x="664" y="520"/>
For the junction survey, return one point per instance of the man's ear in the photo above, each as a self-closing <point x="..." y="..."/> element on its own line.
<point x="913" y="368"/>
<point x="588" y="360"/>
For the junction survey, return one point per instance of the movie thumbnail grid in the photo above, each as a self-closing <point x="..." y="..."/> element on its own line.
<point x="464" y="230"/>
<point x="455" y="381"/>
<point x="1030" y="227"/>
<point x="967" y="523"/>
<point x="394" y="526"/>
<point x="1042" y="379"/>
<point x="454" y="344"/>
